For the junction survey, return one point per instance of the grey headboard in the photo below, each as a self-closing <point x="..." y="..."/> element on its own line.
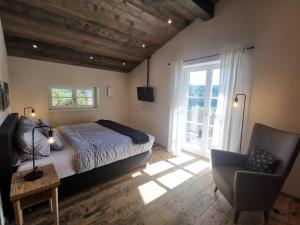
<point x="7" y="148"/>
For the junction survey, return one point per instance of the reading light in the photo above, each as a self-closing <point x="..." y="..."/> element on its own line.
<point x="51" y="139"/>
<point x="236" y="102"/>
<point x="124" y="63"/>
<point x="91" y="57"/>
<point x="32" y="111"/>
<point x="169" y="21"/>
<point x="34" y="46"/>
<point x="143" y="45"/>
<point x="35" y="173"/>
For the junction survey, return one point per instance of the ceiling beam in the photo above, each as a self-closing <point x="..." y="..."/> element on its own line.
<point x="24" y="48"/>
<point x="204" y="9"/>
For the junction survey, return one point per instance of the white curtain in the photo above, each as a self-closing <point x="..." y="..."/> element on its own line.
<point x="233" y="80"/>
<point x="179" y="84"/>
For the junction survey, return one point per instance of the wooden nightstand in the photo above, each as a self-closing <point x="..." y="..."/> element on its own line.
<point x="24" y="194"/>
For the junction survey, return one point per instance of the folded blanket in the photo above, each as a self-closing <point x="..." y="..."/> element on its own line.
<point x="137" y="136"/>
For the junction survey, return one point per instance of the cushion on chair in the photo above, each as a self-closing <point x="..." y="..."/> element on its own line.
<point x="224" y="179"/>
<point x="262" y="161"/>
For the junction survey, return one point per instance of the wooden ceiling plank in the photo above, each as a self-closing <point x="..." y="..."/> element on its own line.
<point x="204" y="9"/>
<point x="157" y="9"/>
<point x="60" y="23"/>
<point x="147" y="17"/>
<point x="37" y="30"/>
<point x="74" y="9"/>
<point x="37" y="8"/>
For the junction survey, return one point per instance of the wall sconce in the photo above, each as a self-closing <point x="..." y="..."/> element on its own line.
<point x="110" y="91"/>
<point x="32" y="111"/>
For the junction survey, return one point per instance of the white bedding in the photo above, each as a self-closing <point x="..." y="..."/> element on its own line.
<point x="63" y="160"/>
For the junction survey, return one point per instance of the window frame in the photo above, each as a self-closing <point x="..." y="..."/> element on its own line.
<point x="74" y="105"/>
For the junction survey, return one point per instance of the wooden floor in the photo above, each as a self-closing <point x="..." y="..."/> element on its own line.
<point x="171" y="191"/>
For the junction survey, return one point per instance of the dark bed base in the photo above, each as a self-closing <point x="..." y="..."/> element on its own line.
<point x="69" y="184"/>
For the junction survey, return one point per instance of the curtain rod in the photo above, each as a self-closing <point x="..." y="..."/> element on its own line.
<point x="187" y="60"/>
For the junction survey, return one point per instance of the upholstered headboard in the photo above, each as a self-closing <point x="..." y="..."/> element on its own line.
<point x="7" y="148"/>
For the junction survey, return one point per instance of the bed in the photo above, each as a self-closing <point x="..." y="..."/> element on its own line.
<point x="112" y="160"/>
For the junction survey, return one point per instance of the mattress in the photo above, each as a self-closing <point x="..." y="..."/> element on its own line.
<point x="96" y="145"/>
<point x="63" y="160"/>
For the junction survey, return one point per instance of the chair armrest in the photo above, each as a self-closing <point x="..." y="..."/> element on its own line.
<point x="225" y="158"/>
<point x="256" y="191"/>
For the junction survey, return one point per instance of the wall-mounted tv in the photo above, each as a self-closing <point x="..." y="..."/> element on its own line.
<point x="145" y="94"/>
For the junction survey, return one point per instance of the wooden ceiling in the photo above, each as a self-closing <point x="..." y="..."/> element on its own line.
<point x="107" y="34"/>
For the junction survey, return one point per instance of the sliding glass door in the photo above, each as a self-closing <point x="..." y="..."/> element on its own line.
<point x="202" y="99"/>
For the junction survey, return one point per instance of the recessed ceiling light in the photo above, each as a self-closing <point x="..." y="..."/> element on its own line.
<point x="169" y="21"/>
<point x="34" y="46"/>
<point x="91" y="57"/>
<point x="143" y="45"/>
<point x="124" y="63"/>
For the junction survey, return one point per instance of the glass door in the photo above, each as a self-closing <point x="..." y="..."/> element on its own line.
<point x="202" y="100"/>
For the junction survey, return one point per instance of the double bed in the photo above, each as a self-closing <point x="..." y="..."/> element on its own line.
<point x="91" y="153"/>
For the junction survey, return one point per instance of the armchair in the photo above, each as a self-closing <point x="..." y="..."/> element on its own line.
<point x="246" y="190"/>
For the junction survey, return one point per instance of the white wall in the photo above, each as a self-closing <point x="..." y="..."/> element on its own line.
<point x="3" y="77"/>
<point x="29" y="81"/>
<point x="273" y="27"/>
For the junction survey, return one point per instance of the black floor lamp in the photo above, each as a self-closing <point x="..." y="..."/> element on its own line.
<point x="35" y="173"/>
<point x="235" y="104"/>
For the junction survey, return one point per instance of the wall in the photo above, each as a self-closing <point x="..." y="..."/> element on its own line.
<point x="270" y="25"/>
<point x="29" y="87"/>
<point x="3" y="69"/>
<point x="3" y="77"/>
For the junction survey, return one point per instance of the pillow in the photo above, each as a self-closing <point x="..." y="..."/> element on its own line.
<point x="262" y="161"/>
<point x="57" y="145"/>
<point x="27" y="123"/>
<point x="41" y="145"/>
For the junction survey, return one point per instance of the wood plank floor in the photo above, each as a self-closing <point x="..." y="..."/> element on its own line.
<point x="171" y="191"/>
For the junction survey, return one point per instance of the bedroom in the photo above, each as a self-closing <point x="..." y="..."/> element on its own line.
<point x="61" y="45"/>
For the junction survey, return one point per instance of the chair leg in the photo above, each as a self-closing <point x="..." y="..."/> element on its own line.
<point x="236" y="217"/>
<point x="216" y="188"/>
<point x="266" y="216"/>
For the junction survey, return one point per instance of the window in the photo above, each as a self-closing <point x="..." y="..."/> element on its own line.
<point x="72" y="98"/>
<point x="202" y="100"/>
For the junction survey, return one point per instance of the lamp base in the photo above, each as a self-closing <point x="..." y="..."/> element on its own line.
<point x="34" y="175"/>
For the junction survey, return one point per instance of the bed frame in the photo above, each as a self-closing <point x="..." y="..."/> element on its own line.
<point x="69" y="184"/>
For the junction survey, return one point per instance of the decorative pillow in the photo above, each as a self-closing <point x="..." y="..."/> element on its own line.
<point x="57" y="145"/>
<point x="262" y="161"/>
<point x="41" y="145"/>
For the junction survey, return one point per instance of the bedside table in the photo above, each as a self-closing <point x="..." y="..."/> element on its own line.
<point x="24" y="194"/>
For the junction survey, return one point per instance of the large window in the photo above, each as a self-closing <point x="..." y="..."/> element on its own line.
<point x="72" y="98"/>
<point x="202" y="100"/>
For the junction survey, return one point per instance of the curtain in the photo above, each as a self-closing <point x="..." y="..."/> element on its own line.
<point x="228" y="120"/>
<point x="179" y="84"/>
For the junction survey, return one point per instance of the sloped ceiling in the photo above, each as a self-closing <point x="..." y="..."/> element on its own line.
<point x="107" y="34"/>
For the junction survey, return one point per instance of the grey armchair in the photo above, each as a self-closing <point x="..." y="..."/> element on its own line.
<point x="246" y="190"/>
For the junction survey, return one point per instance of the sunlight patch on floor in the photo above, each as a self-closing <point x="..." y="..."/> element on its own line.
<point x="175" y="178"/>
<point x="197" y="167"/>
<point x="136" y="174"/>
<point x="158" y="167"/>
<point x="151" y="191"/>
<point x="178" y="160"/>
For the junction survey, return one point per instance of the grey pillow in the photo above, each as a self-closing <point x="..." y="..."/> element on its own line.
<point x="57" y="145"/>
<point x="262" y="161"/>
<point x="41" y="145"/>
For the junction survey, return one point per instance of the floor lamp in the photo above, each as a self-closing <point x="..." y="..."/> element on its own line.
<point x="235" y="104"/>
